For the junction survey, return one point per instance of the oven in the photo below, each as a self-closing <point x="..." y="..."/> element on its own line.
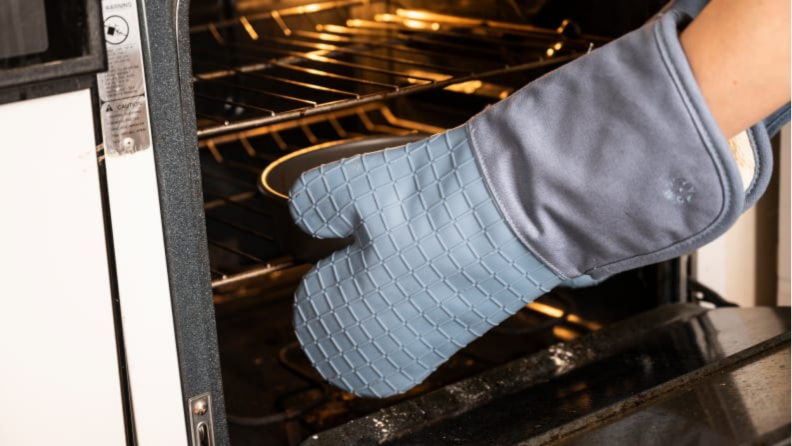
<point x="164" y="314"/>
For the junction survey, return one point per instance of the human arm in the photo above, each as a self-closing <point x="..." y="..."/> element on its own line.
<point x="739" y="52"/>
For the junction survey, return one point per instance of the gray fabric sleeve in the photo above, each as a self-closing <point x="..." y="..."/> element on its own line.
<point x="612" y="161"/>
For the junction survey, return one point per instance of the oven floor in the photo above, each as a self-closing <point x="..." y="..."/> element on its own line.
<point x="273" y="396"/>
<point x="678" y="374"/>
<point x="266" y="375"/>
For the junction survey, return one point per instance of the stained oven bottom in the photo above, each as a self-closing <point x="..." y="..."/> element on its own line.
<point x="274" y="396"/>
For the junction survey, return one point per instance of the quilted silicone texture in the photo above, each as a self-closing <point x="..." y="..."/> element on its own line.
<point x="433" y="266"/>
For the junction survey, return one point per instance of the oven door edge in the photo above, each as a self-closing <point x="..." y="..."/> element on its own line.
<point x="166" y="50"/>
<point x="168" y="312"/>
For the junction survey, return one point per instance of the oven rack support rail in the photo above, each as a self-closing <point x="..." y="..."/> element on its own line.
<point x="267" y="68"/>
<point x="237" y="209"/>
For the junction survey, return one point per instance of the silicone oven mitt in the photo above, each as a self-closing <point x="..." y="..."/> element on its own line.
<point x="608" y="163"/>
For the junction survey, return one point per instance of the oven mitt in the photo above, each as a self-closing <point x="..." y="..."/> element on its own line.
<point x="608" y="163"/>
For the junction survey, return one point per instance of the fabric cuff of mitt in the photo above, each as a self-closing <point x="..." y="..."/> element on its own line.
<point x="614" y="161"/>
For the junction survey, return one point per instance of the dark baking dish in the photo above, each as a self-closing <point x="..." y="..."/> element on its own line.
<point x="278" y="177"/>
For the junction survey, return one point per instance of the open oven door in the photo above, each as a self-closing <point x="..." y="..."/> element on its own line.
<point x="159" y="241"/>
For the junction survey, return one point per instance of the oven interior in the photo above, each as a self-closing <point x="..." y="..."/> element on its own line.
<point x="274" y="77"/>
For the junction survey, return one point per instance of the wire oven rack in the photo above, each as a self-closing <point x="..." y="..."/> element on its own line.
<point x="239" y="219"/>
<point x="273" y="82"/>
<point x="271" y="67"/>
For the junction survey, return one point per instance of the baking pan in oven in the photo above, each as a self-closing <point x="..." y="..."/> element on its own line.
<point x="278" y="177"/>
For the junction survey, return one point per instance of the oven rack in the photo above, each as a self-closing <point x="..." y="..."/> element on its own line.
<point x="241" y="235"/>
<point x="284" y="64"/>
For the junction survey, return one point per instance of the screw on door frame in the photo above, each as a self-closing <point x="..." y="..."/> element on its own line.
<point x="201" y="422"/>
<point x="200" y="407"/>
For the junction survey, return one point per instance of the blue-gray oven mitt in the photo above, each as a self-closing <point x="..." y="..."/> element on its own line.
<point x="751" y="146"/>
<point x="610" y="162"/>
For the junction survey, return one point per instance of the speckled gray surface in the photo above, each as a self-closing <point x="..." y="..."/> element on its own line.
<point x="168" y="78"/>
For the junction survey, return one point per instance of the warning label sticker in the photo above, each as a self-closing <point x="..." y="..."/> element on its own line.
<point x="122" y="89"/>
<point x="125" y="125"/>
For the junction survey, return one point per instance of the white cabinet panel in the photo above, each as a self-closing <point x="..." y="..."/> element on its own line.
<point x="59" y="377"/>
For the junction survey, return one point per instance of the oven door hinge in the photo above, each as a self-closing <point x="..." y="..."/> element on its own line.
<point x="201" y="421"/>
